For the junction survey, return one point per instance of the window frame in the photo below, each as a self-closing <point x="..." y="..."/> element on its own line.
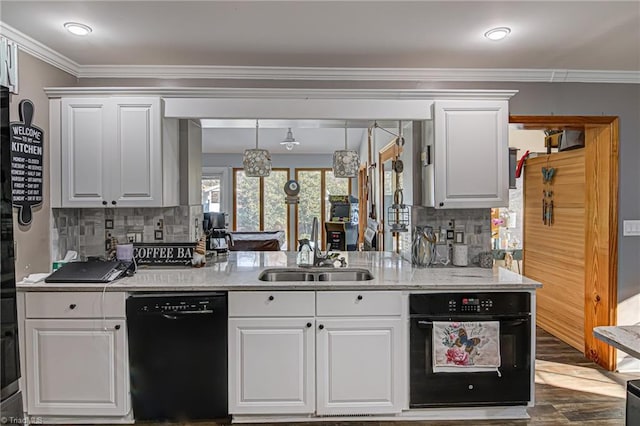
<point x="226" y="188"/>
<point x="323" y="188"/>
<point x="235" y="170"/>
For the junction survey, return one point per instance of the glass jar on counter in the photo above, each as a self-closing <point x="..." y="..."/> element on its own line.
<point x="423" y="246"/>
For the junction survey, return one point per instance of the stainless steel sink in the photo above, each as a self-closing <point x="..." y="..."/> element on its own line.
<point x="316" y="274"/>
<point x="281" y="274"/>
<point x="354" y="274"/>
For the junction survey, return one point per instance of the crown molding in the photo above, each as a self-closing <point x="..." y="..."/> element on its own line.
<point x="361" y="74"/>
<point x="50" y="56"/>
<point x="260" y="93"/>
<point x="592" y="76"/>
<point x="38" y="50"/>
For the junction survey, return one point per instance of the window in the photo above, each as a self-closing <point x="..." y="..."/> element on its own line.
<point x="315" y="187"/>
<point x="211" y="193"/>
<point x="216" y="190"/>
<point x="259" y="203"/>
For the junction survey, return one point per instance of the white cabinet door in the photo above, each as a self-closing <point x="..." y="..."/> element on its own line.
<point x="111" y="152"/>
<point x="84" y="133"/>
<point x="136" y="173"/>
<point x="271" y="365"/>
<point x="77" y="367"/>
<point x="471" y="154"/>
<point x="359" y="366"/>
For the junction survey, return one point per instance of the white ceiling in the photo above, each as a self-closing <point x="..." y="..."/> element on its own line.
<point x="578" y="35"/>
<point x="381" y="35"/>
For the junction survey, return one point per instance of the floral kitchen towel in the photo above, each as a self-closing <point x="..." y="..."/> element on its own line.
<point x="466" y="346"/>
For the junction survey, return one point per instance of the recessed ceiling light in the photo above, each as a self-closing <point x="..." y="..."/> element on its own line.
<point x="497" y="33"/>
<point x="78" y="29"/>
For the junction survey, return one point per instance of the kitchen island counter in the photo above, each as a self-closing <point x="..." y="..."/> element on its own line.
<point x="240" y="270"/>
<point x="625" y="338"/>
<point x="302" y="338"/>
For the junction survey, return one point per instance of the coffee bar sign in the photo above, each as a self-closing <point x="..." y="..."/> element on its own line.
<point x="159" y="254"/>
<point x="26" y="163"/>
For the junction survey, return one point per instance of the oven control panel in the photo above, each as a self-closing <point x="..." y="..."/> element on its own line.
<point x="470" y="304"/>
<point x="502" y="303"/>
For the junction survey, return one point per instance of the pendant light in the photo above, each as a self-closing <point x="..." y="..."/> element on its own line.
<point x="289" y="141"/>
<point x="345" y="162"/>
<point x="256" y="162"/>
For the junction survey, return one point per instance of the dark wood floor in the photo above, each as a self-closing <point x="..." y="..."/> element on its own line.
<point x="570" y="390"/>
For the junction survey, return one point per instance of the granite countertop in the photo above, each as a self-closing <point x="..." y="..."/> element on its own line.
<point x="240" y="270"/>
<point x="626" y="338"/>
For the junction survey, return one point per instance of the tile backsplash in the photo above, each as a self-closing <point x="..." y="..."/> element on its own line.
<point x="475" y="223"/>
<point x="85" y="230"/>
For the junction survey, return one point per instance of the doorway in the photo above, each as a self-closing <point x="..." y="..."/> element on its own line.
<point x="593" y="172"/>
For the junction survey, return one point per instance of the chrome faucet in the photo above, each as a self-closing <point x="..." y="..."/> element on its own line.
<point x="314" y="239"/>
<point x="327" y="259"/>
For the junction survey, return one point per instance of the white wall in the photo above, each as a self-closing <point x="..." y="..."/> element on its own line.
<point x="526" y="140"/>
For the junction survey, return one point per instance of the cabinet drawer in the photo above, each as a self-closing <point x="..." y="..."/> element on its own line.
<point x="357" y="303"/>
<point x="272" y="303"/>
<point x="75" y="305"/>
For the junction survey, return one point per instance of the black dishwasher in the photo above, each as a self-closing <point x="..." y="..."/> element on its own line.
<point x="178" y="355"/>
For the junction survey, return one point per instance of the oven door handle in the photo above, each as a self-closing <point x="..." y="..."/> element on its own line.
<point x="510" y="321"/>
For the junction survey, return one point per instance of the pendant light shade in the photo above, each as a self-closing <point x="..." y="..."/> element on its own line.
<point x="256" y="162"/>
<point x="289" y="141"/>
<point x="345" y="161"/>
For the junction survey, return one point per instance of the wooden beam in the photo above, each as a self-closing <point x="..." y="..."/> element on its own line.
<point x="560" y="121"/>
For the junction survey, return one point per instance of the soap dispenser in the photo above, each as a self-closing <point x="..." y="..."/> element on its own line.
<point x="304" y="253"/>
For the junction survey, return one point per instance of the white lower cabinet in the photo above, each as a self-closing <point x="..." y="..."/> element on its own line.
<point x="358" y="366"/>
<point x="77" y="367"/>
<point x="272" y="369"/>
<point x="76" y="357"/>
<point x="341" y="359"/>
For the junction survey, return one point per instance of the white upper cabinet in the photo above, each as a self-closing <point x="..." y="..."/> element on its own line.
<point x="111" y="153"/>
<point x="84" y="152"/>
<point x="471" y="158"/>
<point x="137" y="166"/>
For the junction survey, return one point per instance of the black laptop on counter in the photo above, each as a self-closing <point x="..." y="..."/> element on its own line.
<point x="93" y="271"/>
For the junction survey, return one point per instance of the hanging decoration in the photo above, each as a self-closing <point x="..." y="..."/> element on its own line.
<point x="398" y="212"/>
<point x="256" y="162"/>
<point x="345" y="162"/>
<point x="547" y="194"/>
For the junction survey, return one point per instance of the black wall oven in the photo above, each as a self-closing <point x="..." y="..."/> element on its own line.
<point x="513" y="383"/>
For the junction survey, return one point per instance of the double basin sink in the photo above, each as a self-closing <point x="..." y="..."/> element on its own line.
<point x="315" y="274"/>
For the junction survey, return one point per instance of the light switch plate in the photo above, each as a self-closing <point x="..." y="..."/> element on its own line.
<point x="631" y="228"/>
<point x="134" y="237"/>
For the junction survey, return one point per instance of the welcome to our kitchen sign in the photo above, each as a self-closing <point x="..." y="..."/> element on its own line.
<point x="26" y="163"/>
